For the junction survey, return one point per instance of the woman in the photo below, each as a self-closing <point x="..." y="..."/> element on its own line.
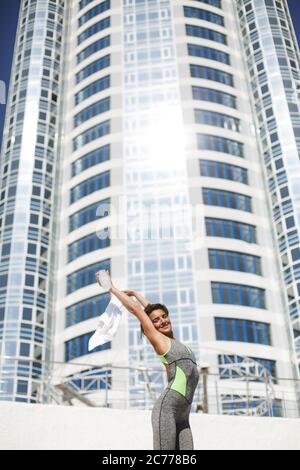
<point x="170" y="415"/>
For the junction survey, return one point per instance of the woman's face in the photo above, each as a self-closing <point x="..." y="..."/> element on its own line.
<point x="161" y="321"/>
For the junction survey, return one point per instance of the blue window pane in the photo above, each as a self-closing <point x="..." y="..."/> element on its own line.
<point x="212" y="118"/>
<point x="91" y="111"/>
<point x="220" y="198"/>
<point x="243" y="331"/>
<point x="89" y="214"/>
<point x="191" y="12"/>
<point x="94" y="133"/>
<point x="92" y="89"/>
<point x="220" y="144"/>
<point x="91" y="159"/>
<point x="94" y="29"/>
<point x="205" y="33"/>
<point x="94" y="67"/>
<point x="214" y="96"/>
<point x="85" y="276"/>
<point x="215" y="169"/>
<point x="208" y="73"/>
<point x="221" y="259"/>
<point x="88" y="244"/>
<point x="208" y="53"/>
<point x="93" y="48"/>
<point x="78" y="347"/>
<point x="97" y="10"/>
<point x="236" y="294"/>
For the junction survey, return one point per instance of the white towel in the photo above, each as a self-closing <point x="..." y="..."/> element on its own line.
<point x="108" y="323"/>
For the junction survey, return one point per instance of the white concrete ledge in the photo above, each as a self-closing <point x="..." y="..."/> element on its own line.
<point x="24" y="426"/>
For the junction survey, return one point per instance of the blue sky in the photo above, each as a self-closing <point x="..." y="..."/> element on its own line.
<point x="8" y="22"/>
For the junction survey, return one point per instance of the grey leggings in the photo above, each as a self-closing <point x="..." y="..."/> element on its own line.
<point x="170" y="422"/>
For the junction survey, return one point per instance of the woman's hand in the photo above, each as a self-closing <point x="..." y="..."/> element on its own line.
<point x="130" y="293"/>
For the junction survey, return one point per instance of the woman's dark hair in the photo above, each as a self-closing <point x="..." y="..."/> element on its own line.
<point x="150" y="308"/>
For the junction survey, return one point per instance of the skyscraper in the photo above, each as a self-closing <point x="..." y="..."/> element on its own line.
<point x="158" y="139"/>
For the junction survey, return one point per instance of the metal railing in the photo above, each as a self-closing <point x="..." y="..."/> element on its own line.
<point x="236" y="388"/>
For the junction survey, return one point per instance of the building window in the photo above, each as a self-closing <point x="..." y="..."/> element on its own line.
<point x="211" y="118"/>
<point x="205" y="33"/>
<point x="89" y="186"/>
<point x="84" y="3"/>
<point x="77" y="347"/>
<point x="89" y="214"/>
<point x="86" y="309"/>
<point x="85" y="276"/>
<point x="237" y="294"/>
<point x="208" y="53"/>
<point x="93" y="48"/>
<point x="88" y="244"/>
<point x="220" y="198"/>
<point x="209" y="73"/>
<point x="222" y="170"/>
<point x="97" y="10"/>
<point x="94" y="67"/>
<point x="94" y="29"/>
<point x="91" y="159"/>
<point x="220" y="144"/>
<point x="230" y="229"/>
<point x="91" y="111"/>
<point x="191" y="12"/>
<point x="245" y="331"/>
<point x="25" y="349"/>
<point x="234" y="261"/>
<point x="22" y="387"/>
<point x="214" y="96"/>
<point x="92" y="89"/>
<point x="96" y="132"/>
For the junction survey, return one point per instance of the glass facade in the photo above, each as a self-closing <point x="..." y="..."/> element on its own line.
<point x="30" y="157"/>
<point x="271" y="52"/>
<point x="169" y="105"/>
<point x="154" y="157"/>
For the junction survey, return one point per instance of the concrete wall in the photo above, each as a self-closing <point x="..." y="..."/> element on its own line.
<point x="24" y="426"/>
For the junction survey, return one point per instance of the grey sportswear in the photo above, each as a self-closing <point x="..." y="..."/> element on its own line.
<point x="170" y="415"/>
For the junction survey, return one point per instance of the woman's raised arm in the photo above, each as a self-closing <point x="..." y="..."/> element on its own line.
<point x="158" y="340"/>
<point x="132" y="293"/>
